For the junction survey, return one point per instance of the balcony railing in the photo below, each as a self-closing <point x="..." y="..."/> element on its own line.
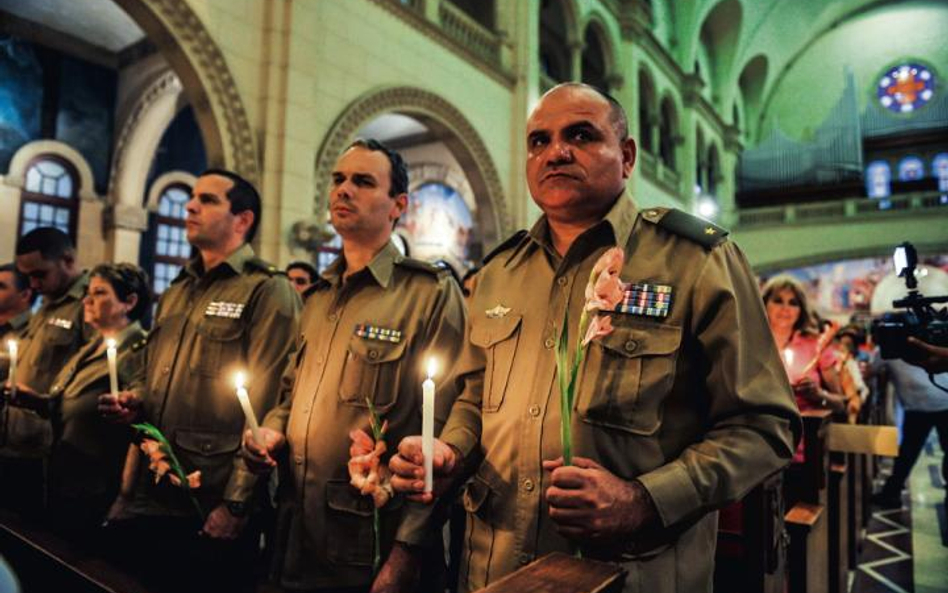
<point x="850" y="208"/>
<point x="470" y="34"/>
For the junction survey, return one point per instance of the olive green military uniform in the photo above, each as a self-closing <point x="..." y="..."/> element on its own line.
<point x="13" y="329"/>
<point x="687" y="394"/>
<point x="54" y="334"/>
<point x="241" y="316"/>
<point x="368" y="336"/>
<point x="89" y="452"/>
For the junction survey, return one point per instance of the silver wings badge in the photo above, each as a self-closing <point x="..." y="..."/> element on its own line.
<point x="497" y="312"/>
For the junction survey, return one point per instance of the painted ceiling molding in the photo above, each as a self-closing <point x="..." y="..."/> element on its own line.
<point x="418" y="102"/>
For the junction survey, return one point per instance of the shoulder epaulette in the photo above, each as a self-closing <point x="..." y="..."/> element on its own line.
<point x="417" y="264"/>
<point x="699" y="230"/>
<point x="506" y="244"/>
<point x="264" y="266"/>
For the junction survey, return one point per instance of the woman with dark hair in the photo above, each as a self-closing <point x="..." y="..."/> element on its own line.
<point x="85" y="465"/>
<point x="796" y="331"/>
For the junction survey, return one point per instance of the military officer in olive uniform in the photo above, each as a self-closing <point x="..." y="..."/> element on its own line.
<point x="372" y="320"/>
<point x="227" y="312"/>
<point x="47" y="257"/>
<point x="16" y="296"/>
<point x="88" y="453"/>
<point x="681" y="409"/>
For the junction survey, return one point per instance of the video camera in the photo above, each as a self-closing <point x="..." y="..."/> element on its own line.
<point x="920" y="319"/>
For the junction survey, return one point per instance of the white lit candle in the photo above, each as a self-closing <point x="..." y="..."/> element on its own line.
<point x="427" y="425"/>
<point x="248" y="411"/>
<point x="788" y="357"/>
<point x="11" y="375"/>
<point x="111" y="353"/>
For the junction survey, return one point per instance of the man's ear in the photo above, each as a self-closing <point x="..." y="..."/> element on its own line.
<point x="399" y="206"/>
<point x="130" y="302"/>
<point x="245" y="220"/>
<point x="629" y="152"/>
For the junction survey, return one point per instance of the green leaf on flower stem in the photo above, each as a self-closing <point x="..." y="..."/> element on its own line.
<point x="374" y="419"/>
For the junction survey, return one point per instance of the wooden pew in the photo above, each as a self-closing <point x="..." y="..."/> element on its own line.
<point x="45" y="562"/>
<point x="752" y="548"/>
<point x="807" y="520"/>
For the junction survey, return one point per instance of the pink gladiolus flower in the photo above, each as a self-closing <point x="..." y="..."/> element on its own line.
<point x="600" y="326"/>
<point x="605" y="289"/>
<point x="366" y="472"/>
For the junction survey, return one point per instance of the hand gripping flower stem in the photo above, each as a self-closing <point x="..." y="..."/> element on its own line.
<point x="378" y="433"/>
<point x="150" y="431"/>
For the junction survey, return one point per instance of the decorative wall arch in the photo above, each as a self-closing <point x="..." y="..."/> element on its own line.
<point x="608" y="44"/>
<point x="193" y="53"/>
<point x="163" y="181"/>
<point x="461" y="139"/>
<point x="139" y="137"/>
<point x="16" y="176"/>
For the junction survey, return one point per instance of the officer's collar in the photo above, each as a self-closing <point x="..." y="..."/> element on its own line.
<point x="19" y="321"/>
<point x="235" y="262"/>
<point x="380" y="268"/>
<point x="619" y="221"/>
<point x="75" y="292"/>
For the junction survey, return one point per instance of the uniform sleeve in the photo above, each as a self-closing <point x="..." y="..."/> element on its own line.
<point x="277" y="417"/>
<point x="753" y="420"/>
<point x="271" y="341"/>
<point x="444" y="336"/>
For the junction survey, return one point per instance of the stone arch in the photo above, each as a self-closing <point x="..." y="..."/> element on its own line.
<point x="163" y="181"/>
<point x="140" y="135"/>
<point x="596" y="27"/>
<point x="459" y="136"/>
<point x="199" y="64"/>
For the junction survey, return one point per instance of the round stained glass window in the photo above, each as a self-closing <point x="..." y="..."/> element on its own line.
<point x="906" y="87"/>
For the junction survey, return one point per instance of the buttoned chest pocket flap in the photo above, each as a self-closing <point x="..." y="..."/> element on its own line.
<point x="499" y="338"/>
<point x="372" y="369"/>
<point x="57" y="346"/>
<point x="217" y="343"/>
<point x="626" y="377"/>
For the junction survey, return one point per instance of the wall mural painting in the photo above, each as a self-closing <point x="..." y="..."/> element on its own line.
<point x="21" y="97"/>
<point x="84" y="118"/>
<point x="438" y="225"/>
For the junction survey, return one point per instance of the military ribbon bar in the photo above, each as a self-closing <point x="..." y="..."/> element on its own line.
<point x="650" y="300"/>
<point x="373" y="332"/>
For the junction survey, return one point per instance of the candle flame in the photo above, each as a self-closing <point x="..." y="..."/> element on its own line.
<point x="239" y="380"/>
<point x="11" y="345"/>
<point x="110" y="343"/>
<point x="432" y="367"/>
<point x="788" y="356"/>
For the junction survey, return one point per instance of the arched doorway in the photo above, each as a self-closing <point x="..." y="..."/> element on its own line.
<point x="449" y="161"/>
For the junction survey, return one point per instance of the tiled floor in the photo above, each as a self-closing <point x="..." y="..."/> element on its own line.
<point x="906" y="550"/>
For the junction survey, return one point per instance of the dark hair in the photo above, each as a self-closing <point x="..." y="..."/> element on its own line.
<point x="126" y="280"/>
<point x="51" y="243"/>
<point x="242" y="196"/>
<point x="398" y="182"/>
<point x="808" y="322"/>
<point x="20" y="280"/>
<point x="308" y="268"/>
<point x="617" y="116"/>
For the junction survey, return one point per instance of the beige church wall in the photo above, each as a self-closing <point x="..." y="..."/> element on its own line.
<point x="330" y="67"/>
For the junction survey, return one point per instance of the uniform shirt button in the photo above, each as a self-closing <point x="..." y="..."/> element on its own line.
<point x="298" y="459"/>
<point x="549" y="343"/>
<point x="524" y="559"/>
<point x="631" y="345"/>
<point x="319" y="360"/>
<point x="528" y="485"/>
<point x="373" y="354"/>
<point x="166" y="370"/>
<point x="333" y="317"/>
<point x="534" y="410"/>
<point x="562" y="280"/>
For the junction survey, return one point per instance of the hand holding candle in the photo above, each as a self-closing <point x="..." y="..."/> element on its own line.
<point x="244" y="399"/>
<point x="111" y="353"/>
<point x="427" y="425"/>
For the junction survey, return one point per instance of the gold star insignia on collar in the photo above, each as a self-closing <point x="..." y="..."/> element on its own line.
<point x="497" y="312"/>
<point x="709" y="231"/>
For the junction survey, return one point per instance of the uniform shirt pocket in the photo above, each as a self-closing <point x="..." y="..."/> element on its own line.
<point x="499" y="338"/>
<point x="627" y="375"/>
<point x="349" y="519"/>
<point x="217" y="341"/>
<point x="57" y="347"/>
<point x="372" y="369"/>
